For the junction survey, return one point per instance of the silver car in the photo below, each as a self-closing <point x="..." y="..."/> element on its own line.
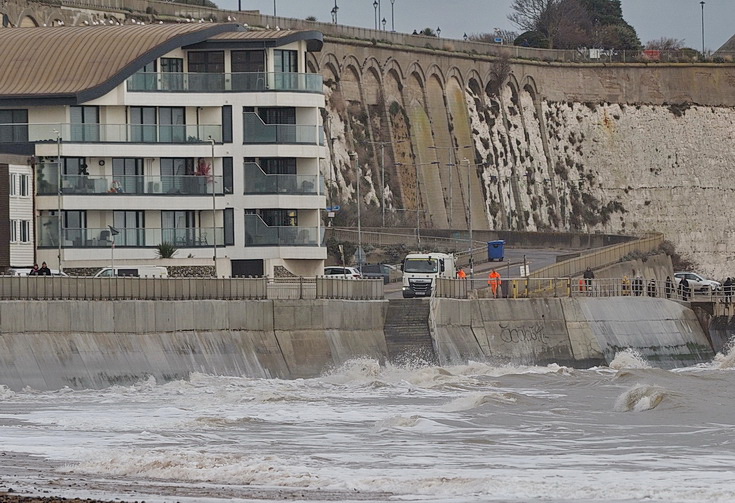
<point x="698" y="283"/>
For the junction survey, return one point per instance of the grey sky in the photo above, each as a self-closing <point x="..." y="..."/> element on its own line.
<point x="652" y="19"/>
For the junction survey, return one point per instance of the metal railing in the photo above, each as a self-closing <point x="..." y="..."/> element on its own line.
<point x="190" y="185"/>
<point x="173" y="82"/>
<point x="529" y="287"/>
<point x="129" y="288"/>
<point x="258" y="233"/>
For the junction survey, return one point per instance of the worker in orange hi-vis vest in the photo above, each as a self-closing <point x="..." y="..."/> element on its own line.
<point x="461" y="274"/>
<point x="493" y="279"/>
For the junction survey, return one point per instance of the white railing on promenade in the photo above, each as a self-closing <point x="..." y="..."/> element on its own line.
<point x="128" y="288"/>
<point x="528" y="287"/>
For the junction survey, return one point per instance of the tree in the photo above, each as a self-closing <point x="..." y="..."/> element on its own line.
<point x="665" y="44"/>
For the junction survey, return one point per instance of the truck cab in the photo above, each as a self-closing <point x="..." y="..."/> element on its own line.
<point x="420" y="271"/>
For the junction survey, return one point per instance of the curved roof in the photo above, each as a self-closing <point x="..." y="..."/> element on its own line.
<point x="67" y="65"/>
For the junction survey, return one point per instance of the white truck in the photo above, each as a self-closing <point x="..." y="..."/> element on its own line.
<point x="421" y="269"/>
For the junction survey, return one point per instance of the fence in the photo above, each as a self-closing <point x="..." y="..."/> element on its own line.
<point x="127" y="288"/>
<point x="528" y="287"/>
<point x="599" y="258"/>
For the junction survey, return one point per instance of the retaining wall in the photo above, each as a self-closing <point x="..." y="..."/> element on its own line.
<point x="93" y="344"/>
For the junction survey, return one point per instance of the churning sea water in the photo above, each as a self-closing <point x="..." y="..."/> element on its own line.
<point x="477" y="432"/>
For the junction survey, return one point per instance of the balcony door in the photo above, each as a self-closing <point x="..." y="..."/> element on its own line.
<point x="179" y="227"/>
<point x="143" y="124"/>
<point x="131" y="226"/>
<point x="75" y="228"/>
<point x="172" y="74"/>
<point x="127" y="175"/>
<point x="85" y="123"/>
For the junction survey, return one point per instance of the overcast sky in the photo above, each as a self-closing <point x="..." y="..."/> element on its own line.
<point x="652" y="19"/>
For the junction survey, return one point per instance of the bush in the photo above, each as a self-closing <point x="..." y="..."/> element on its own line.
<point x="166" y="250"/>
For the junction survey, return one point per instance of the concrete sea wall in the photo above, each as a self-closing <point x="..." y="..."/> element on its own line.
<point x="83" y="344"/>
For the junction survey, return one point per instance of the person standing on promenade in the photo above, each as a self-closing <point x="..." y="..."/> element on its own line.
<point x="588" y="277"/>
<point x="669" y="287"/>
<point x="493" y="279"/>
<point x="44" y="270"/>
<point x="727" y="288"/>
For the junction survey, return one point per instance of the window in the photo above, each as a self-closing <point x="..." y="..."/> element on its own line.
<point x="24" y="226"/>
<point x="85" y="123"/>
<point x="13" y="184"/>
<point x="179" y="228"/>
<point x="285" y="61"/>
<point x="75" y="227"/>
<point x="143" y="124"/>
<point x="207" y="62"/>
<point x="173" y="124"/>
<point x="14" y="231"/>
<point x="23" y="179"/>
<point x="9" y="131"/>
<point x="280" y="115"/>
<point x="248" y="61"/>
<point x="172" y="78"/>
<point x="127" y="175"/>
<point x="175" y="174"/>
<point x="279" y="165"/>
<point x="131" y="226"/>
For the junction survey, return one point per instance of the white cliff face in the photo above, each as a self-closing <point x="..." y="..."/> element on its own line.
<point x="613" y="168"/>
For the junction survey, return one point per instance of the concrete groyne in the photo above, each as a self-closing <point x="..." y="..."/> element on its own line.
<point x="83" y="344"/>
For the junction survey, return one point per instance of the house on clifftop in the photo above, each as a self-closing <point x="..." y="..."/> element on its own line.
<point x="204" y="136"/>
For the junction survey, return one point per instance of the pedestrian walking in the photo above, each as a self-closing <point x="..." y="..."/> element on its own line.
<point x="626" y="285"/>
<point x="652" y="290"/>
<point x="684" y="284"/>
<point x="669" y="287"/>
<point x="727" y="289"/>
<point x="588" y="277"/>
<point x="494" y="281"/>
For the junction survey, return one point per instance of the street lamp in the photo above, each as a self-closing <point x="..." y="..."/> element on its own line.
<point x="392" y="16"/>
<point x="702" y="4"/>
<point x="58" y="194"/>
<point x="438" y="32"/>
<point x="383" y="21"/>
<point x="274" y="8"/>
<point x="375" y="6"/>
<point x="214" y="211"/>
<point x="358" y="171"/>
<point x="334" y="12"/>
<point x="465" y="37"/>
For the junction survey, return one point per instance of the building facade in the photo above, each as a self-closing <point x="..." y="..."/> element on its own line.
<point x="202" y="137"/>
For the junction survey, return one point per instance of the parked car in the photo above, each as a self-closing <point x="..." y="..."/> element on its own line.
<point x="697" y="283"/>
<point x="377" y="271"/>
<point x="345" y="272"/>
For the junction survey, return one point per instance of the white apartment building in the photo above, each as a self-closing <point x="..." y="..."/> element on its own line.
<point x="20" y="205"/>
<point x="204" y="136"/>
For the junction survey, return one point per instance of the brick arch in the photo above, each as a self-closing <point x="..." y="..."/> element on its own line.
<point x="416" y="71"/>
<point x="28" y="21"/>
<point x="456" y="74"/>
<point x="351" y="62"/>
<point x="437" y="74"/>
<point x="372" y="81"/>
<point x="329" y="60"/>
<point x="474" y="76"/>
<point x="529" y="85"/>
<point x="372" y="64"/>
<point x="393" y="66"/>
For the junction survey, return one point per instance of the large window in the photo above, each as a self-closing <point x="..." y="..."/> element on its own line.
<point x="131" y="227"/>
<point x="173" y="124"/>
<point x="143" y="124"/>
<point x="174" y="175"/>
<point x="23" y="185"/>
<point x="172" y="77"/>
<point x="164" y="124"/>
<point x="75" y="227"/>
<point x="25" y="231"/>
<point x="13" y="184"/>
<point x="285" y="61"/>
<point x="85" y="123"/>
<point x="13" y="126"/>
<point x="179" y="228"/>
<point x="248" y="61"/>
<point x="207" y="62"/>
<point x="127" y="175"/>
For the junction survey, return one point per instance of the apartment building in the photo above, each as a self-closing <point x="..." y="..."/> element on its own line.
<point x="207" y="137"/>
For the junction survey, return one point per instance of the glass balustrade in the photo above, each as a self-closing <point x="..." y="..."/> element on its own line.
<point x="112" y="133"/>
<point x="256" y="131"/>
<point x="171" y="82"/>
<point x="192" y="185"/>
<point x="88" y="237"/>
<point x="257" y="233"/>
<point x="259" y="182"/>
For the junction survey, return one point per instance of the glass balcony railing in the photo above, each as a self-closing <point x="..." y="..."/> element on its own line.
<point x="87" y="237"/>
<point x="256" y="131"/>
<point x="257" y="233"/>
<point x="192" y="185"/>
<point x="179" y="82"/>
<point x="111" y="133"/>
<point x="258" y="182"/>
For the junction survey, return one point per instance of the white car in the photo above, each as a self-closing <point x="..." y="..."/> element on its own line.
<point x="698" y="283"/>
<point x="342" y="272"/>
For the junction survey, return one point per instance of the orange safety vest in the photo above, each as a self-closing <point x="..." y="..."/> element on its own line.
<point x="493" y="279"/>
<point x="461" y="274"/>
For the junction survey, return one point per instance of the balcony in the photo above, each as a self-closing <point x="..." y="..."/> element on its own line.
<point x="257" y="131"/>
<point x="87" y="237"/>
<point x="179" y="82"/>
<point x="190" y="185"/>
<point x="258" y="233"/>
<point x="110" y="133"/>
<point x="259" y="182"/>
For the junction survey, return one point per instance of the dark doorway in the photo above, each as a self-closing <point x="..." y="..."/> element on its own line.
<point x="245" y="268"/>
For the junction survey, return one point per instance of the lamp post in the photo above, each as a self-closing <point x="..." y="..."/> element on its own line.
<point x="383" y="22"/>
<point x="334" y="12"/>
<point x="392" y="16"/>
<point x="58" y="194"/>
<point x="356" y="167"/>
<point x="113" y="232"/>
<point x="375" y="6"/>
<point x="214" y="211"/>
<point x="702" y="4"/>
<point x="438" y="32"/>
<point x="274" y="8"/>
